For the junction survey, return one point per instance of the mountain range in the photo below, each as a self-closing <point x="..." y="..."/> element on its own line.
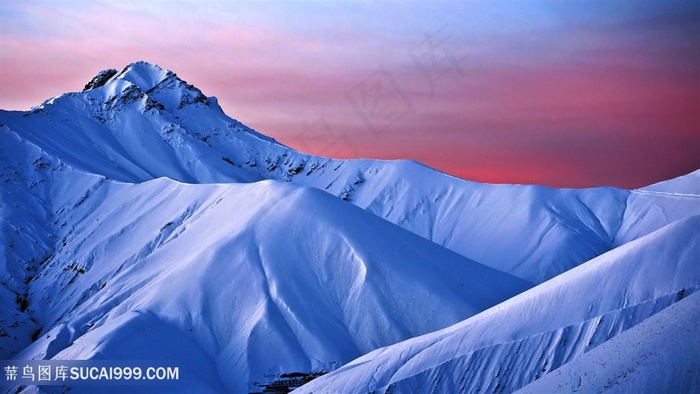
<point x="140" y="222"/>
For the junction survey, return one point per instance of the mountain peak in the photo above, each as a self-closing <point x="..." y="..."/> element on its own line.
<point x="163" y="87"/>
<point x="143" y="74"/>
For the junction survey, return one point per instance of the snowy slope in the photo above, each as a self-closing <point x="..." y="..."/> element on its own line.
<point x="683" y="185"/>
<point x="654" y="356"/>
<point x="145" y="122"/>
<point x="652" y="207"/>
<point x="257" y="279"/>
<point x="526" y="337"/>
<point x="29" y="184"/>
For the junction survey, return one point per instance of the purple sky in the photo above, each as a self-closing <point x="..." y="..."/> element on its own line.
<point x="566" y="94"/>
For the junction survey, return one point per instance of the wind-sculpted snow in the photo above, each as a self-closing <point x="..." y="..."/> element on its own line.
<point x="139" y="221"/>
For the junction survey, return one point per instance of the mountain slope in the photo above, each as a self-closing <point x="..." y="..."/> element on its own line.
<point x="649" y="208"/>
<point x="654" y="356"/>
<point x="258" y="279"/>
<point x="526" y="337"/>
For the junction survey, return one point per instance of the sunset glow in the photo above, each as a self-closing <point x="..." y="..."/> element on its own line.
<point x="552" y="93"/>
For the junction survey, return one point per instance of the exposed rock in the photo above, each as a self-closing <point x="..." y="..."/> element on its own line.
<point x="100" y="79"/>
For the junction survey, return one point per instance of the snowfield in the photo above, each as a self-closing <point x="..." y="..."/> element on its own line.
<point x="140" y="222"/>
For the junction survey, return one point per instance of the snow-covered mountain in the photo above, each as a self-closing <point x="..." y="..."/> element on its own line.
<point x="144" y="123"/>
<point x="264" y="277"/>
<point x="137" y="215"/>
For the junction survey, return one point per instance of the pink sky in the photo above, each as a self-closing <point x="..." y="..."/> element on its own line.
<point x="556" y="94"/>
